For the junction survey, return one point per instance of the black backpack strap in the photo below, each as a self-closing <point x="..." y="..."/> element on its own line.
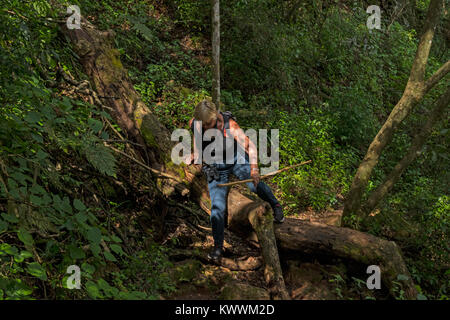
<point x="227" y="115"/>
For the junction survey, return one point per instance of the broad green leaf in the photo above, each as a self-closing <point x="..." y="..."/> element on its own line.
<point x="402" y="277"/>
<point x="76" y="252"/>
<point x="66" y="104"/>
<point x="7" y="248"/>
<point x="94" y="235"/>
<point x="102" y="284"/>
<point x="37" y="138"/>
<point x="81" y="217"/>
<point x="22" y="256"/>
<point x="113" y="292"/>
<point x="10" y="217"/>
<point x="95" y="125"/>
<point x="46" y="200"/>
<point x="37" y="270"/>
<point x="79" y="205"/>
<point x="33" y="117"/>
<point x="20" y="177"/>
<point x="86" y="267"/>
<point x="109" y="256"/>
<point x="421" y="297"/>
<point x="116" y="239"/>
<point x="65" y="205"/>
<point x="36" y="200"/>
<point x="95" y="248"/>
<point x="107" y="289"/>
<point x="3" y="226"/>
<point x="25" y="237"/>
<point x="40" y="155"/>
<point x="104" y="135"/>
<point x="26" y="254"/>
<point x="68" y="225"/>
<point x="101" y="158"/>
<point x="93" y="290"/>
<point x="117" y="249"/>
<point x="37" y="189"/>
<point x="133" y="295"/>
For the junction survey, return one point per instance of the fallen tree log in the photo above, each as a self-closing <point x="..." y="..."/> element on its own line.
<point x="294" y="236"/>
<point x="102" y="64"/>
<point x="315" y="238"/>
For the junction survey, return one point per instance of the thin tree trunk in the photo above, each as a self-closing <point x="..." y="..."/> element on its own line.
<point x="216" y="52"/>
<point x="413" y="152"/>
<point x="415" y="89"/>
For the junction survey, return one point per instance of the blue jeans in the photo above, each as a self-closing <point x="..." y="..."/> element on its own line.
<point x="219" y="195"/>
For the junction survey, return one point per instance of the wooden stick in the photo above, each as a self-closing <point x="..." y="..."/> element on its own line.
<point x="160" y="173"/>
<point x="264" y="176"/>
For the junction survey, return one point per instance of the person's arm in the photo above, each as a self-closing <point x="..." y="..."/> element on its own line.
<point x="249" y="148"/>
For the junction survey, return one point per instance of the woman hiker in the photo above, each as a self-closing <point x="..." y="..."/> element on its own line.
<point x="207" y="117"/>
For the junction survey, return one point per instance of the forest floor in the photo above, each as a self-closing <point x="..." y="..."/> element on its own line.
<point x="306" y="277"/>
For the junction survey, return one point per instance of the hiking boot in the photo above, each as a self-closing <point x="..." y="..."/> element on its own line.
<point x="278" y="213"/>
<point x="215" y="254"/>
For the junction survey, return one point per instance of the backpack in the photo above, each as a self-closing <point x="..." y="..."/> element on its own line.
<point x="227" y="116"/>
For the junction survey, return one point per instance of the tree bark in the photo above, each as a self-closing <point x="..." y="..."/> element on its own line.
<point x="216" y="52"/>
<point x="415" y="89"/>
<point x="296" y="236"/>
<point x="101" y="63"/>
<point x="245" y="215"/>
<point x="413" y="152"/>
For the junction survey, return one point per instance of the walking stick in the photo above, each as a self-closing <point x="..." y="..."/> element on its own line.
<point x="264" y="176"/>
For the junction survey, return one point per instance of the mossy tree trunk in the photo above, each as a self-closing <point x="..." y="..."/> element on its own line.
<point x="314" y="238"/>
<point x="101" y="62"/>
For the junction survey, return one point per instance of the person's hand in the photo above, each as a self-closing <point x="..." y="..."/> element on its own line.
<point x="190" y="161"/>
<point x="254" y="174"/>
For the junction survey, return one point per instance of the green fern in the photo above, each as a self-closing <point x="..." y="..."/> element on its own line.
<point x="141" y="28"/>
<point x="100" y="157"/>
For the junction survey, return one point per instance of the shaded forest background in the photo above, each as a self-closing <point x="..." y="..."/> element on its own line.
<point x="311" y="69"/>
